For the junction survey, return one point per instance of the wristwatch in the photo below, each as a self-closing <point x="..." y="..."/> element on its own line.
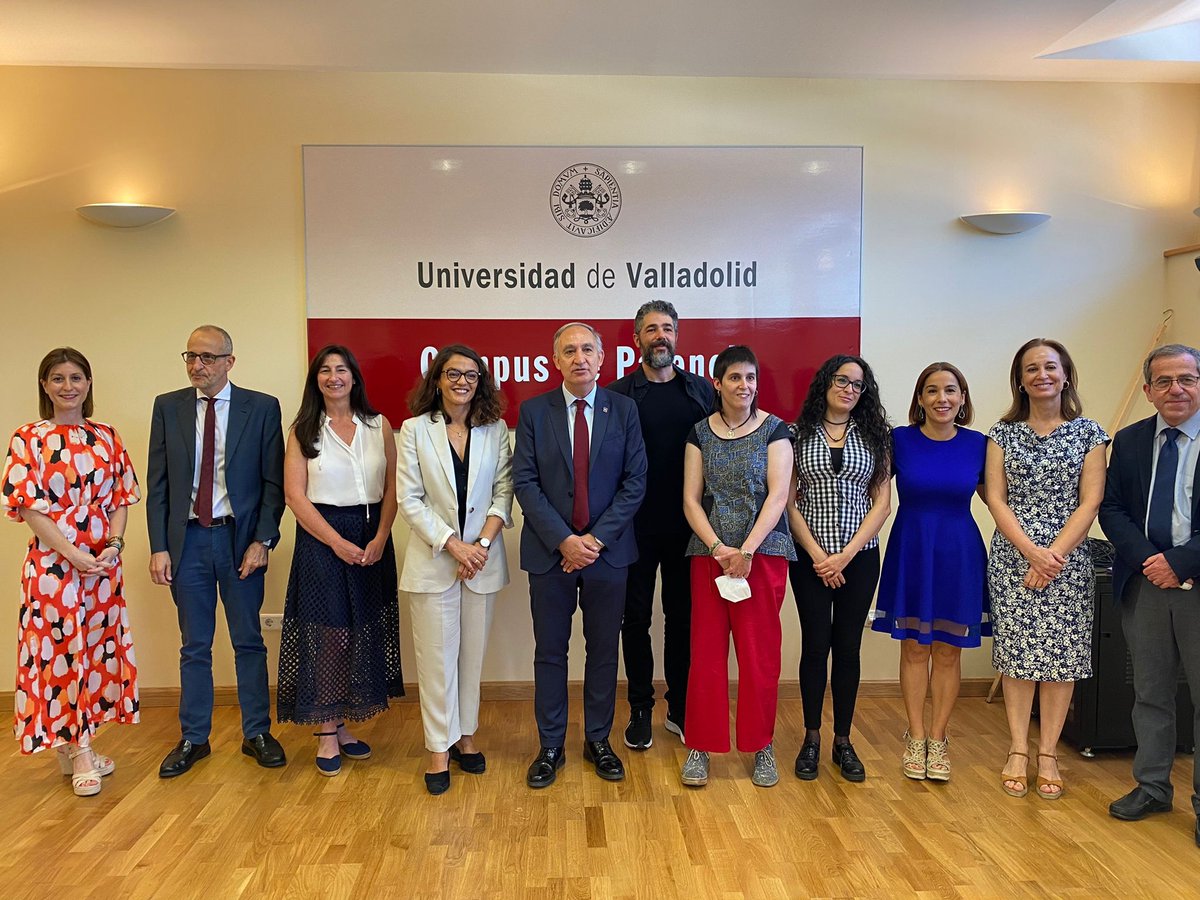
<point x="484" y="543"/>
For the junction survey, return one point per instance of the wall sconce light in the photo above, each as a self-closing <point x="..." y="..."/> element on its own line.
<point x="1005" y="222"/>
<point x="124" y="215"/>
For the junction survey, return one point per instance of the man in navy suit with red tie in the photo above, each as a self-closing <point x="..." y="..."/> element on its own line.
<point x="214" y="499"/>
<point x="579" y="471"/>
<point x="1151" y="513"/>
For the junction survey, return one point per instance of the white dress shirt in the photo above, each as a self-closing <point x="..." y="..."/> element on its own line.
<point x="1189" y="453"/>
<point x="221" y="505"/>
<point x="351" y="474"/>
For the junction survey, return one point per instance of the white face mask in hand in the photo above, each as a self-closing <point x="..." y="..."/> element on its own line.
<point x="735" y="590"/>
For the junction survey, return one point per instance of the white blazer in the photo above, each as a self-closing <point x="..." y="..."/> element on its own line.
<point x="428" y="501"/>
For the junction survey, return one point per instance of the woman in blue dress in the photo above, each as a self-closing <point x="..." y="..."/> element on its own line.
<point x="933" y="588"/>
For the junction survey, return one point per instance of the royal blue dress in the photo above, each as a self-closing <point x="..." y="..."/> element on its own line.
<point x="933" y="586"/>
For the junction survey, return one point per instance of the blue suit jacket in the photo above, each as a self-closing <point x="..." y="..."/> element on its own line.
<point x="253" y="469"/>
<point x="544" y="479"/>
<point x="1126" y="502"/>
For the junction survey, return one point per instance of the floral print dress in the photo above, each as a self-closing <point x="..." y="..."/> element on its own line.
<point x="1043" y="634"/>
<point x="75" y="663"/>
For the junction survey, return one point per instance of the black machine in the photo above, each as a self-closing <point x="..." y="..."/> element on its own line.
<point x="1099" y="717"/>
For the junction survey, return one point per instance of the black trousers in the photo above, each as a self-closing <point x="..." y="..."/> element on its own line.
<point x="599" y="590"/>
<point x="663" y="550"/>
<point x="831" y="624"/>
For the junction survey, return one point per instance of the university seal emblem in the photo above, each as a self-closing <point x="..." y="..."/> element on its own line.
<point x="585" y="199"/>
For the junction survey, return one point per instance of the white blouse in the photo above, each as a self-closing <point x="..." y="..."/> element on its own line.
<point x="351" y="474"/>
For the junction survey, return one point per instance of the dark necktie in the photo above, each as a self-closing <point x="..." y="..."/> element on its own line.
<point x="579" y="458"/>
<point x="1162" y="495"/>
<point x="208" y="454"/>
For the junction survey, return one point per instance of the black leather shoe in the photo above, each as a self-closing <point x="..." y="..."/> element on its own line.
<point x="1136" y="805"/>
<point x="608" y="765"/>
<point x="265" y="749"/>
<point x="544" y="769"/>
<point x="471" y="763"/>
<point x="183" y="757"/>
<point x="807" y="761"/>
<point x="847" y="760"/>
<point x="437" y="782"/>
<point x="638" y="734"/>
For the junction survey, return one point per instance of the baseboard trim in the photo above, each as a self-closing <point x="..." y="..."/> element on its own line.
<point x="226" y="695"/>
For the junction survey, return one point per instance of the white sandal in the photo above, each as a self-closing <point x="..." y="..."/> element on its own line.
<point x="102" y="764"/>
<point x="84" y="784"/>
<point x="913" y="762"/>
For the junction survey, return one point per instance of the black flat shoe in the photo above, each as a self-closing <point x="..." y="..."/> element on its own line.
<point x="1136" y="805"/>
<point x="266" y="750"/>
<point x="183" y="757"/>
<point x="608" y="765"/>
<point x="438" y="782"/>
<point x="848" y="762"/>
<point x="808" y="761"/>
<point x="544" y="769"/>
<point x="471" y="763"/>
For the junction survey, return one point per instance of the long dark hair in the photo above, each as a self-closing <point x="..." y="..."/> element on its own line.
<point x="1069" y="404"/>
<point x="57" y="357"/>
<point x="868" y="414"/>
<point x="307" y="424"/>
<point x="487" y="406"/>
<point x="732" y="356"/>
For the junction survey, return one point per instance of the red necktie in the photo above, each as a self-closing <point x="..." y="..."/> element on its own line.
<point x="580" y="514"/>
<point x="208" y="453"/>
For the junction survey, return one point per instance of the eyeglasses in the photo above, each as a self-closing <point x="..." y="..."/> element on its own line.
<point x="1163" y="384"/>
<point x="842" y="381"/>
<point x="207" y="358"/>
<point x="453" y="375"/>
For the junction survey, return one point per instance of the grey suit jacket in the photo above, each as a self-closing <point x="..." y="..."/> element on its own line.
<point x="253" y="469"/>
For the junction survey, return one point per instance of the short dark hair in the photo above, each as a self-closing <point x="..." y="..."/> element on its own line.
<point x="1070" y="406"/>
<point x="916" y="414"/>
<point x="732" y="356"/>
<point x="307" y="425"/>
<point x="487" y="406"/>
<point x="1169" y="350"/>
<point x="57" y="357"/>
<point x="666" y="307"/>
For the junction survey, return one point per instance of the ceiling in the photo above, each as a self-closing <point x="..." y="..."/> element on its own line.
<point x="942" y="39"/>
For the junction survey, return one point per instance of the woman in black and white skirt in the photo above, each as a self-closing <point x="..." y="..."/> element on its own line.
<point x="340" y="653"/>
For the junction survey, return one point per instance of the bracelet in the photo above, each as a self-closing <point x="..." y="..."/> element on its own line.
<point x="116" y="541"/>
<point x="715" y="545"/>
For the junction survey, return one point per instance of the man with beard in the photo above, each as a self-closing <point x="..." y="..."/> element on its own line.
<point x="670" y="401"/>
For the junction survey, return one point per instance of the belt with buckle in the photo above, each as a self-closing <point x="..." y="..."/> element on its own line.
<point x="217" y="522"/>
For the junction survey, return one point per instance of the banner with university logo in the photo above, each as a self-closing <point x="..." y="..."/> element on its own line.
<point x="409" y="249"/>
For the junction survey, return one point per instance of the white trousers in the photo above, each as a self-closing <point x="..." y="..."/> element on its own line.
<point x="450" y="632"/>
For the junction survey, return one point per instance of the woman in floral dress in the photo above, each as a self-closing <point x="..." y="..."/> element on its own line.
<point x="70" y="480"/>
<point x="1044" y="479"/>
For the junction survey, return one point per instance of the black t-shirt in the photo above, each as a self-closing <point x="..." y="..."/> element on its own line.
<point x="667" y="416"/>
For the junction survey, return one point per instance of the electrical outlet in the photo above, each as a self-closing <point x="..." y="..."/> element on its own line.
<point x="271" y="621"/>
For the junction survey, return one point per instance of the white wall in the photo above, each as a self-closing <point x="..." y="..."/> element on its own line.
<point x="1116" y="165"/>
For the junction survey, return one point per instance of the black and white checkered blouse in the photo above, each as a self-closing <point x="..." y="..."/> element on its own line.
<point x="834" y="504"/>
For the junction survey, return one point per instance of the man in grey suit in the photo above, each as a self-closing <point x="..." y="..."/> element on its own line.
<point x="214" y="499"/>
<point x="579" y="470"/>
<point x="1151" y="513"/>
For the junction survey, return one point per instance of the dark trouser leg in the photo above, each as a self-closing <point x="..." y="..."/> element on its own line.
<point x="677" y="623"/>
<point x="1185" y="616"/>
<point x="635" y="625"/>
<point x="1146" y="621"/>
<point x="814" y="603"/>
<point x="850" y="605"/>
<point x="601" y="597"/>
<point x="194" y="590"/>
<point x="243" y="600"/>
<point x="553" y="597"/>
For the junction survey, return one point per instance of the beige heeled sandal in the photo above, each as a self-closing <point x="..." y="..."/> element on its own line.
<point x="102" y="764"/>
<point x="913" y="763"/>
<point x="937" y="760"/>
<point x="84" y="784"/>
<point x="1043" y="783"/>
<point x="1022" y="779"/>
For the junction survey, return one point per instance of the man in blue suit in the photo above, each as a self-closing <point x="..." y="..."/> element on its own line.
<point x="579" y="470"/>
<point x="1151" y="513"/>
<point x="214" y="499"/>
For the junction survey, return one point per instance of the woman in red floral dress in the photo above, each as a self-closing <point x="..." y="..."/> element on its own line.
<point x="70" y="480"/>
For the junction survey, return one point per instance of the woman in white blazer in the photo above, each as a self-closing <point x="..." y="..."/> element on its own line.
<point x="455" y="491"/>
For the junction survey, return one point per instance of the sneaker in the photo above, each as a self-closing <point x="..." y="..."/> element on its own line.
<point x="765" y="773"/>
<point x="638" y="735"/>
<point x="937" y="766"/>
<point x="913" y="763"/>
<point x="695" y="769"/>
<point x="675" y="727"/>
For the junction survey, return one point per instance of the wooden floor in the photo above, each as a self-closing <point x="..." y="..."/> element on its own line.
<point x="232" y="829"/>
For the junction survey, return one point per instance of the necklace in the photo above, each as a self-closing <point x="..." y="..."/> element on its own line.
<point x="832" y="439"/>
<point x="733" y="428"/>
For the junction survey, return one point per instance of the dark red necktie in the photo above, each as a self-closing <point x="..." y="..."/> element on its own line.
<point x="208" y="453"/>
<point x="579" y="458"/>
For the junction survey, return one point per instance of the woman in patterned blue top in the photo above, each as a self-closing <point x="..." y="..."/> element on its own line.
<point x="1045" y="480"/>
<point x="933" y="589"/>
